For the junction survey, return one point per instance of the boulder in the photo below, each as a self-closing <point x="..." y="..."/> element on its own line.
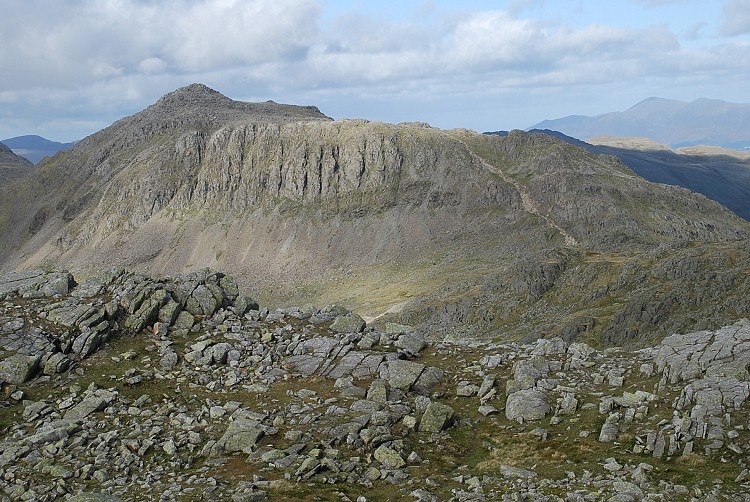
<point x="18" y="368"/>
<point x="56" y="363"/>
<point x="99" y="400"/>
<point x="436" y="417"/>
<point x="36" y="283"/>
<point x="389" y="457"/>
<point x="401" y="374"/>
<point x="348" y="323"/>
<point x="610" y="429"/>
<point x="525" y="405"/>
<point x="411" y="343"/>
<point x="242" y="435"/>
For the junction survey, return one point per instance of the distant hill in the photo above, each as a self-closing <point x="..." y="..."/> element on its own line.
<point x="35" y="148"/>
<point x="675" y="123"/>
<point x="457" y="233"/>
<point x="720" y="175"/>
<point x="12" y="166"/>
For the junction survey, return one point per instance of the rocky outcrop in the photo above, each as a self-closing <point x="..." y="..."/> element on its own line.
<point x="249" y="403"/>
<point x="723" y="353"/>
<point x="73" y="322"/>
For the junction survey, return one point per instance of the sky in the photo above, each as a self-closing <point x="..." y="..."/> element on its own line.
<point x="69" y="68"/>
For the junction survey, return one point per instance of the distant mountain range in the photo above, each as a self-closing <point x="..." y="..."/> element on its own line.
<point x="35" y="148"/>
<point x="675" y="123"/>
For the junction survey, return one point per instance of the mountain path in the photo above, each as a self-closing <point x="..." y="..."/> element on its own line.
<point x="528" y="203"/>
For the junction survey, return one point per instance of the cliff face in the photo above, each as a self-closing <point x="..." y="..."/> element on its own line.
<point x="522" y="235"/>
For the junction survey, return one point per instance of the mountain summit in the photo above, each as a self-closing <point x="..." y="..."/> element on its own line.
<point x="456" y="232"/>
<point x="12" y="166"/>
<point x="675" y="123"/>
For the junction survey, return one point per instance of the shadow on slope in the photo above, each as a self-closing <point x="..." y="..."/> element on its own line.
<point x="722" y="178"/>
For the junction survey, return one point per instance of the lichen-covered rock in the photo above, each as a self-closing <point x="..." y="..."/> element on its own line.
<point x="401" y="374"/>
<point x="242" y="435"/>
<point x="610" y="429"/>
<point x="348" y="323"/>
<point x="436" y="417"/>
<point x="525" y="405"/>
<point x="389" y="457"/>
<point x="18" y="368"/>
<point x="97" y="401"/>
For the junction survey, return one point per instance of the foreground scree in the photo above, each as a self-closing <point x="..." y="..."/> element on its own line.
<point x="126" y="387"/>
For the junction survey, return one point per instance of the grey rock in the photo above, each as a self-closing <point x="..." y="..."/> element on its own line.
<point x="53" y="432"/>
<point x="487" y="409"/>
<point x="525" y="405"/>
<point x="169" y="312"/>
<point x="411" y="343"/>
<point x="516" y="472"/>
<point x="219" y="352"/>
<point x="488" y="383"/>
<point x="185" y="320"/>
<point x="56" y="363"/>
<point x="610" y="429"/>
<point x="308" y="468"/>
<point x="401" y="374"/>
<point x="94" y="497"/>
<point x="86" y="343"/>
<point x="549" y="347"/>
<point x="396" y="328"/>
<point x="169" y="447"/>
<point x="304" y="364"/>
<point x="436" y="417"/>
<point x="348" y="323"/>
<point x="18" y="368"/>
<point x="427" y="380"/>
<point x="389" y="457"/>
<point x="725" y="352"/>
<point x="206" y="300"/>
<point x="567" y="404"/>
<point x="244" y="304"/>
<point x="169" y="360"/>
<point x="242" y="435"/>
<point x="527" y="372"/>
<point x="91" y="404"/>
<point x="36" y="283"/>
<point x="466" y="389"/>
<point x="377" y="391"/>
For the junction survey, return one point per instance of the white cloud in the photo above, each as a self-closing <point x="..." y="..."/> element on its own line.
<point x="736" y="18"/>
<point x="152" y="65"/>
<point x="100" y="59"/>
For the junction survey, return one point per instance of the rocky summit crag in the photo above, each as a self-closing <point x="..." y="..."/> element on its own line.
<point x="455" y="232"/>
<point x="126" y="388"/>
<point x="12" y="166"/>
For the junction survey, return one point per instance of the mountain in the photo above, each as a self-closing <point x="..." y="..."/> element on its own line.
<point x="459" y="233"/>
<point x="12" y="166"/>
<point x="35" y="148"/>
<point x="719" y="174"/>
<point x="675" y="123"/>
